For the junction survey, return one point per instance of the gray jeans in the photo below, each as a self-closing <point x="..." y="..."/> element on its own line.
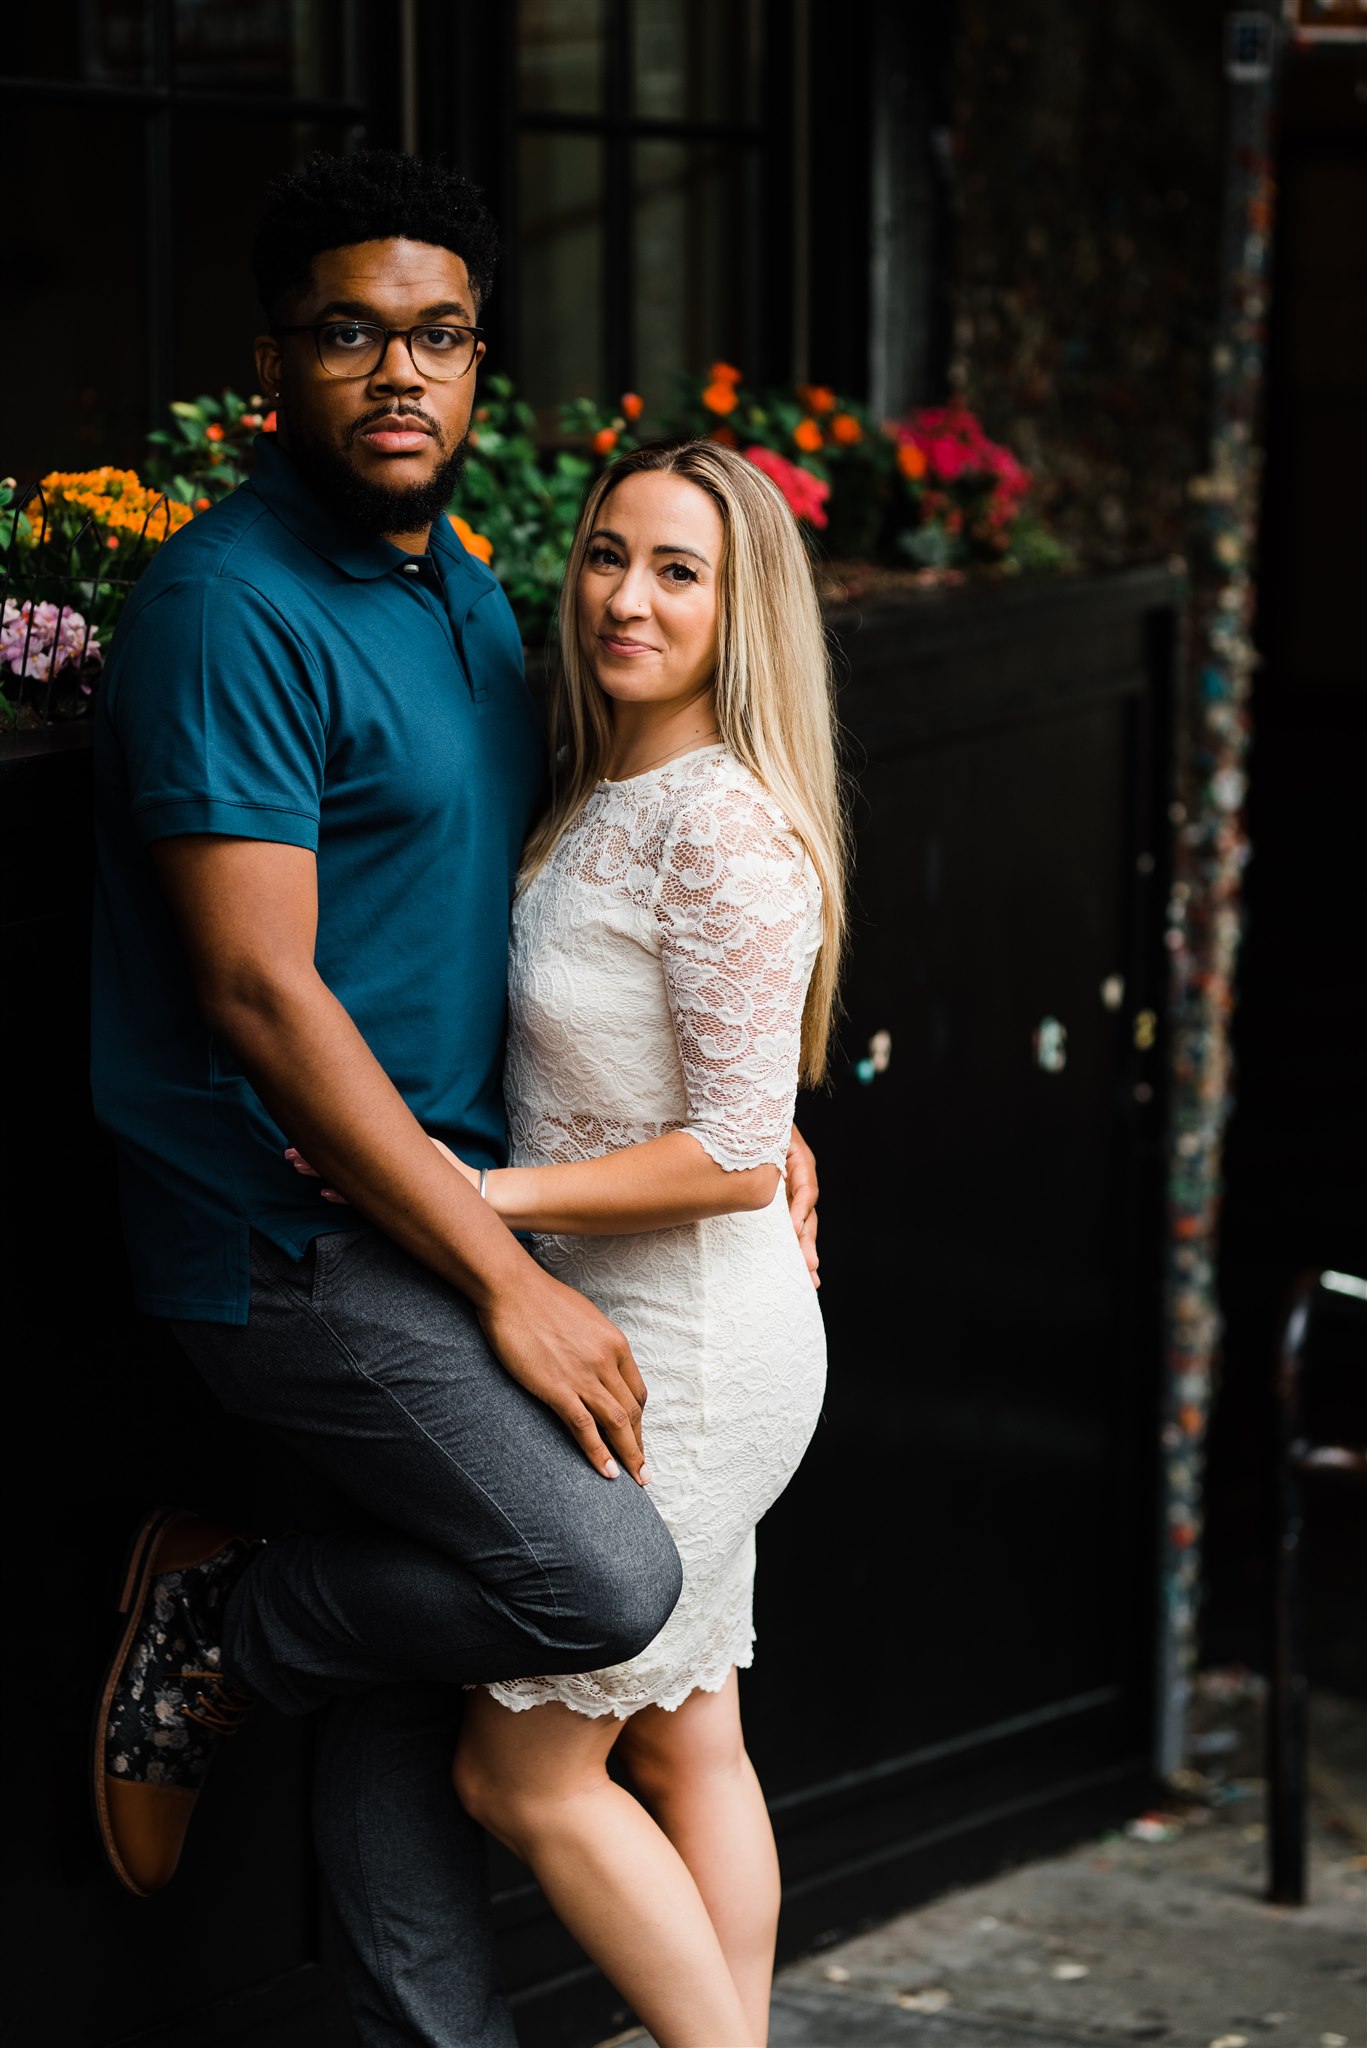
<point x="496" y="1551"/>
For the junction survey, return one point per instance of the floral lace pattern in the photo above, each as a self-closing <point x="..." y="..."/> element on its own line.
<point x="659" y="966"/>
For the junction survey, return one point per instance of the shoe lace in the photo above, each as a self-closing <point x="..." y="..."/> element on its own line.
<point x="218" y="1705"/>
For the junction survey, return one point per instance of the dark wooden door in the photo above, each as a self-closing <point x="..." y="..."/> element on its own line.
<point x="955" y="1598"/>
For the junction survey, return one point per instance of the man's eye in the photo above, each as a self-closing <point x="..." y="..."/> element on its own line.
<point x="441" y="340"/>
<point x="350" y="334"/>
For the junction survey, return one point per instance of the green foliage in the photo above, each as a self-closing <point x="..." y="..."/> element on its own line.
<point x="206" y="451"/>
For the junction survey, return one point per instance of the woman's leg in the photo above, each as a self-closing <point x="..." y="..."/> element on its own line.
<point x="692" y="1770"/>
<point x="538" y="1781"/>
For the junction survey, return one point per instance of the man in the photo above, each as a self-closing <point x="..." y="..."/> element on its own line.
<point x="316" y="765"/>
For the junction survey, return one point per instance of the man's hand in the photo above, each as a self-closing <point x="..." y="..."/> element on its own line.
<point x="557" y="1345"/>
<point x="799" y="1172"/>
<point x="247" y="913"/>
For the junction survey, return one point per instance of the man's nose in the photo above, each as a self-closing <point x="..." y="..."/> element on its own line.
<point x="396" y="369"/>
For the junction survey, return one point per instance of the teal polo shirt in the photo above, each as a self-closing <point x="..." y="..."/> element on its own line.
<point x="277" y="674"/>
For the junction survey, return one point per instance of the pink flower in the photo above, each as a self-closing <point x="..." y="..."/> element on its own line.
<point x="804" y="493"/>
<point x="40" y="640"/>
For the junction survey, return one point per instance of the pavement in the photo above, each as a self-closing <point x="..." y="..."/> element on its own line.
<point x="1159" y="1933"/>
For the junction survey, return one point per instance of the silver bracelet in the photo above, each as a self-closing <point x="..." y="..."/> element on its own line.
<point x="484" y="1183"/>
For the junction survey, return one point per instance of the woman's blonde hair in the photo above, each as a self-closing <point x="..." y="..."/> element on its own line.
<point x="774" y="699"/>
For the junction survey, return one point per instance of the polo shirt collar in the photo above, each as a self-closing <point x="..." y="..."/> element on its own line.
<point x="276" y="477"/>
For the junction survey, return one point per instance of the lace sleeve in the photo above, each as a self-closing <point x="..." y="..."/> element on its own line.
<point x="738" y="911"/>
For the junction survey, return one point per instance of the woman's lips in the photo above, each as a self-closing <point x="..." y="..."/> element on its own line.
<point x="628" y="647"/>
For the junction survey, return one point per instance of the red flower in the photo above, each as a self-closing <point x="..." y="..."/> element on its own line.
<point x="633" y="405"/>
<point x="806" y="495"/>
<point x="604" y="441"/>
<point x="268" y="424"/>
<point x="719" y="396"/>
<point x="213" y="432"/>
<point x="724" y="373"/>
<point x="807" y="434"/>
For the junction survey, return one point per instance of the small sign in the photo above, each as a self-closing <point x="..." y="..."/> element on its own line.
<point x="1250" y="47"/>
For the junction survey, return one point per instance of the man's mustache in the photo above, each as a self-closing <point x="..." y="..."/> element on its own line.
<point x="396" y="412"/>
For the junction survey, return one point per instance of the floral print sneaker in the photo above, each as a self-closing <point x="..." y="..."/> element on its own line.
<point x="166" y="1705"/>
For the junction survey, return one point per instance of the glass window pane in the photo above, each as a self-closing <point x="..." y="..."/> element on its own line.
<point x="303" y="48"/>
<point x="84" y="338"/>
<point x="560" y="47"/>
<point x="560" y="267"/>
<point x="108" y="41"/>
<point x="697" y="62"/>
<point x="696" y="274"/>
<point x="216" y="311"/>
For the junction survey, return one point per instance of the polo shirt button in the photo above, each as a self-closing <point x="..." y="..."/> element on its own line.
<point x="412" y="568"/>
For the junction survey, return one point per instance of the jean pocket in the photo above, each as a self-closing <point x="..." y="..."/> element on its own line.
<point x="328" y="1253"/>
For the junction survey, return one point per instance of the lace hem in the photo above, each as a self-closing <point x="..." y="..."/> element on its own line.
<point x="733" y="1158"/>
<point x="582" y="1692"/>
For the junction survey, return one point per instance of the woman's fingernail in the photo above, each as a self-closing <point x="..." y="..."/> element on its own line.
<point x="610" y="1470"/>
<point x="646" y="1475"/>
<point x="290" y="1152"/>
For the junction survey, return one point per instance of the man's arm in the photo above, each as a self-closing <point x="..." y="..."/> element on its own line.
<point x="247" y="911"/>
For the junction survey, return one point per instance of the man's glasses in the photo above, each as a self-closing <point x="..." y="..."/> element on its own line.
<point x="355" y="348"/>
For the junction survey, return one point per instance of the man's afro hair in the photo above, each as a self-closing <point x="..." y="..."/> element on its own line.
<point x="374" y="195"/>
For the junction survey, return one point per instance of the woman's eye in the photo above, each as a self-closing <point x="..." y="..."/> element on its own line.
<point x="601" y="557"/>
<point x="679" y="573"/>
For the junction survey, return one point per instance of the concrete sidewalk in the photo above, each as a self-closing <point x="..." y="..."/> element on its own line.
<point x="1159" y="1934"/>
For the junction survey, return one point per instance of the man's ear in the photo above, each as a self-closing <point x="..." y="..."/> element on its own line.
<point x="269" y="366"/>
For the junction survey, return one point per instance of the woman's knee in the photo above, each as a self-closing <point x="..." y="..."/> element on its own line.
<point x="489" y="1796"/>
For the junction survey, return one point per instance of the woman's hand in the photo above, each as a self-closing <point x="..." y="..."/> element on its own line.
<point x="301" y="1166"/>
<point x="799" y="1173"/>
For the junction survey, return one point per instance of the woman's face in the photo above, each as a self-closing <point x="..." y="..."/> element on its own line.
<point x="648" y="591"/>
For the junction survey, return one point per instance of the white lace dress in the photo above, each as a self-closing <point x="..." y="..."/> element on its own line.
<point x="659" y="965"/>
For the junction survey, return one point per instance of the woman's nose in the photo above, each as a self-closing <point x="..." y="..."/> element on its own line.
<point x="631" y="598"/>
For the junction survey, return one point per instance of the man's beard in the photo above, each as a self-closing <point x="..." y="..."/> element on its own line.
<point x="374" y="507"/>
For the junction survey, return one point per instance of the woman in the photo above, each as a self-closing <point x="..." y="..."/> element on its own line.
<point x="675" y="944"/>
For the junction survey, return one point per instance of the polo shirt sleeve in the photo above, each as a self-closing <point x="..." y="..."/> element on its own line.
<point x="221" y="718"/>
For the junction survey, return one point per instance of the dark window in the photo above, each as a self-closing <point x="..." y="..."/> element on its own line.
<point x="653" y="198"/>
<point x="147" y="130"/>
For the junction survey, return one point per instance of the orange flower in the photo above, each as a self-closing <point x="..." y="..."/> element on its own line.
<point x="112" y="541"/>
<point x="213" y="432"/>
<point x="726" y="435"/>
<point x="724" y="373"/>
<point x="910" y="460"/>
<point x="846" y="429"/>
<point x="473" y="543"/>
<point x="201" y="504"/>
<point x="817" y="397"/>
<point x="268" y="424"/>
<point x="719" y="396"/>
<point x="604" y="441"/>
<point x="633" y="405"/>
<point x="807" y="434"/>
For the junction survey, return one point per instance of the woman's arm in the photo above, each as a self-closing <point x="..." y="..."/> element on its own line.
<point x="666" y="1181"/>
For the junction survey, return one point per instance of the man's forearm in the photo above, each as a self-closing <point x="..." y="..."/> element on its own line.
<point x="320" y="1081"/>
